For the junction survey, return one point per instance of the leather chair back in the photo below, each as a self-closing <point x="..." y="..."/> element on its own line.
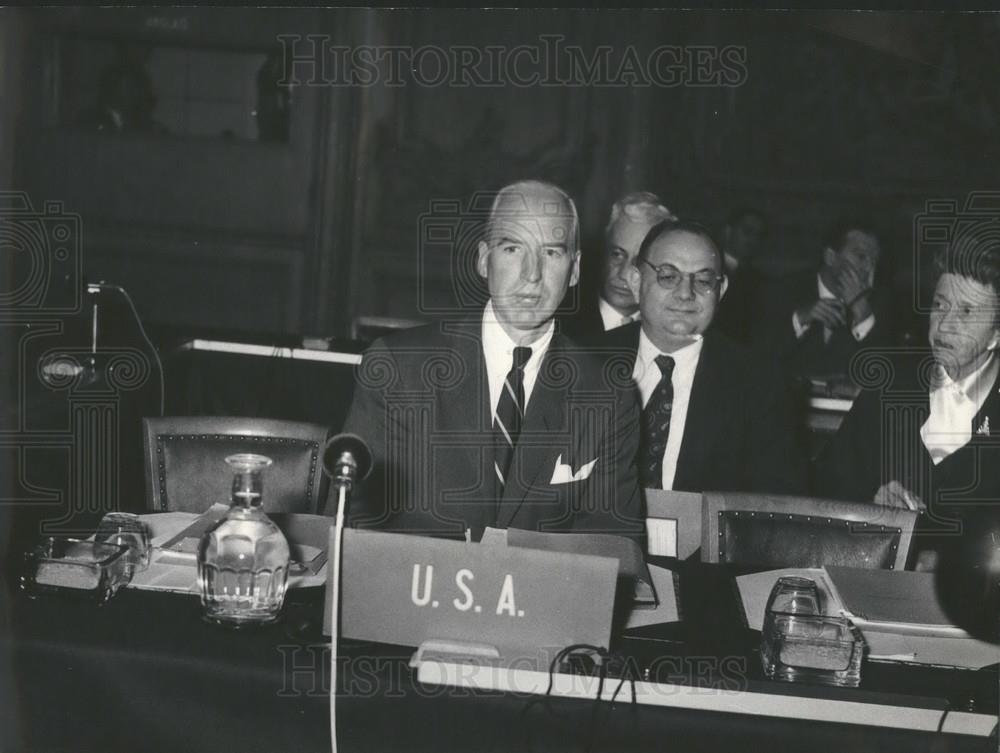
<point x="776" y="531"/>
<point x="186" y="468"/>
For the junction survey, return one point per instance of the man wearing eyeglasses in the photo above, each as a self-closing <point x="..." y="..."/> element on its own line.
<point x="495" y="419"/>
<point x="715" y="416"/>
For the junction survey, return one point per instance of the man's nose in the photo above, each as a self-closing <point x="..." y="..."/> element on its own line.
<point x="620" y="269"/>
<point x="685" y="289"/>
<point x="531" y="267"/>
<point x="945" y="322"/>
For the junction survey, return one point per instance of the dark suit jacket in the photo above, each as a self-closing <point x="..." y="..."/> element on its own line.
<point x="879" y="441"/>
<point x="810" y="355"/>
<point x="739" y="434"/>
<point x="738" y="306"/>
<point x="422" y="403"/>
<point x="584" y="322"/>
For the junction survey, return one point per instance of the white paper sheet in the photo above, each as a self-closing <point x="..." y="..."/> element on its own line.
<point x="177" y="571"/>
<point x="661" y="537"/>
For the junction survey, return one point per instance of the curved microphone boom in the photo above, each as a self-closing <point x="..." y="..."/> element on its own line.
<point x="347" y="459"/>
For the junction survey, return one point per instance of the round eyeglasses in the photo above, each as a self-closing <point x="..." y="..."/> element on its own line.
<point x="669" y="277"/>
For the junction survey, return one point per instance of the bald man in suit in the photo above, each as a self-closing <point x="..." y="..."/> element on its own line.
<point x="496" y="419"/>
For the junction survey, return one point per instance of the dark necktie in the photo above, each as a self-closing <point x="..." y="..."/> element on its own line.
<point x="510" y="412"/>
<point x="656" y="426"/>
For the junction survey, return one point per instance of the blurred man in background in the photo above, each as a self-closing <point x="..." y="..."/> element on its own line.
<point x="817" y="321"/>
<point x="742" y="246"/>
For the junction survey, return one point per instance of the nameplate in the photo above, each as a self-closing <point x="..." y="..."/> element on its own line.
<point x="527" y="603"/>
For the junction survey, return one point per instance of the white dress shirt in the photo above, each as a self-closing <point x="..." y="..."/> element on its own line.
<point x="613" y="318"/>
<point x="646" y="375"/>
<point x="860" y="330"/>
<point x="498" y="350"/>
<point x="953" y="406"/>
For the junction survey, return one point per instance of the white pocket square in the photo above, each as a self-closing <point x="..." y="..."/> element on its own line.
<point x="563" y="474"/>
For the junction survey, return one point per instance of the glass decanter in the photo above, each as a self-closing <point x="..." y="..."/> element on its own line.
<point x="243" y="559"/>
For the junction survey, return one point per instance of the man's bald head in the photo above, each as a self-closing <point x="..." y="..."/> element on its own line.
<point x="527" y="200"/>
<point x="530" y="255"/>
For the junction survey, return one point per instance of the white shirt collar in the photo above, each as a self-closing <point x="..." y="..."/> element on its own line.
<point x="683" y="357"/>
<point x="825" y="294"/>
<point x="974" y="386"/>
<point x="496" y="339"/>
<point x="647" y="376"/>
<point x="498" y="351"/>
<point x="612" y="317"/>
<point x="953" y="407"/>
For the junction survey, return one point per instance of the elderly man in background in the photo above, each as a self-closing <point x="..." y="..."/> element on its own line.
<point x="631" y="218"/>
<point x="496" y="419"/>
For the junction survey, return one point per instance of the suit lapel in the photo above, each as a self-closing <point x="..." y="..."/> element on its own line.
<point x="705" y="405"/>
<point x="455" y="413"/>
<point x="987" y="420"/>
<point x="463" y="426"/>
<point x="544" y="421"/>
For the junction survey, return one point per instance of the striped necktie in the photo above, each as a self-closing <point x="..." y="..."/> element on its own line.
<point x="656" y="426"/>
<point x="510" y="412"/>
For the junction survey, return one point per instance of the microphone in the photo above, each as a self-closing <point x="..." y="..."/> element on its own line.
<point x="346" y="460"/>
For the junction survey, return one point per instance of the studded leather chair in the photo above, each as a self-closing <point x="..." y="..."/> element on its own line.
<point x="186" y="468"/>
<point x="776" y="531"/>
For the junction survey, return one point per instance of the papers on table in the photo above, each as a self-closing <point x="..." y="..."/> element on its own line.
<point x="187" y="539"/>
<point x="901" y="619"/>
<point x="892" y="601"/>
<point x="673" y="523"/>
<point x="968" y="653"/>
<point x="173" y="566"/>
<point x="661" y="537"/>
<point x="897" y="612"/>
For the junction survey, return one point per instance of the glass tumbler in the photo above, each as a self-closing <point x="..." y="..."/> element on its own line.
<point x="126" y="529"/>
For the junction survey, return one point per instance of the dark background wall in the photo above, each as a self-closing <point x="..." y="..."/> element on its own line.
<point x="304" y="237"/>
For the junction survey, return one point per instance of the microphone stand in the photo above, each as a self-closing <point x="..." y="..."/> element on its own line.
<point x="351" y="462"/>
<point x="343" y="483"/>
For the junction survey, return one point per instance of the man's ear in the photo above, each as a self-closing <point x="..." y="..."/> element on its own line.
<point x="574" y="274"/>
<point x="723" y="286"/>
<point x="830" y="257"/>
<point x="484" y="252"/>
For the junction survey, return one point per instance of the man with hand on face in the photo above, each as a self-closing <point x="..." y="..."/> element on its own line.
<point x="631" y="218"/>
<point x="496" y="419"/>
<point x="715" y="416"/>
<point x="818" y="321"/>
